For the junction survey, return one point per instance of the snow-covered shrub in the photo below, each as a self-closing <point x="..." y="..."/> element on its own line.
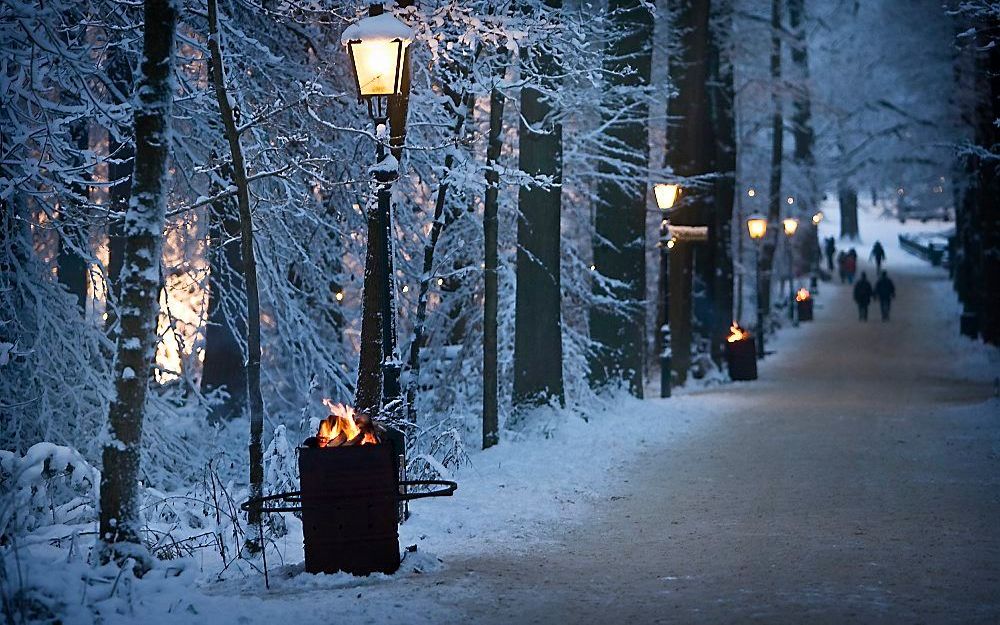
<point x="51" y="484"/>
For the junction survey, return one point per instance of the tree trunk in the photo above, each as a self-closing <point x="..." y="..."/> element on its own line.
<point x="722" y="95"/>
<point x="847" y="195"/>
<point x="620" y="218"/>
<point x="254" y="396"/>
<point x="987" y="220"/>
<point x="223" y="365"/>
<point x="490" y="258"/>
<point x="777" y="149"/>
<point x="537" y="326"/>
<point x="690" y="152"/>
<point x="72" y="266"/>
<point x="119" y="517"/>
<point x="803" y="135"/>
<point x="120" y="153"/>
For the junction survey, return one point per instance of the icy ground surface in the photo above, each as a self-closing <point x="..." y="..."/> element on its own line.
<point x="857" y="481"/>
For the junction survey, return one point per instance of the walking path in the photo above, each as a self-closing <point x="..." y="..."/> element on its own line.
<point x="846" y="486"/>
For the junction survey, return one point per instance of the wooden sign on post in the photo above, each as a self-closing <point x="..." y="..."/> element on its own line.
<point x="689" y="233"/>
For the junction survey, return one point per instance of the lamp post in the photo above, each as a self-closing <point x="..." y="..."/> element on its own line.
<point x="790" y="224"/>
<point x="666" y="196"/>
<point x="376" y="45"/>
<point x="757" y="227"/>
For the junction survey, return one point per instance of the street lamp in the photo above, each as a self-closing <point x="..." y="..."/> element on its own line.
<point x="376" y="46"/>
<point x="818" y="217"/>
<point x="791" y="224"/>
<point x="666" y="196"/>
<point x="757" y="227"/>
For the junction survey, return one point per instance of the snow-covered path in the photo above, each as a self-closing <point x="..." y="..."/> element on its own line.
<point x="858" y="481"/>
<point x="848" y="485"/>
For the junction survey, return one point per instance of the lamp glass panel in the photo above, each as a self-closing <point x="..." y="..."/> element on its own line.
<point x="377" y="65"/>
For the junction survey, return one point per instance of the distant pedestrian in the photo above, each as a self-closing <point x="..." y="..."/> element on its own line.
<point x="885" y="291"/>
<point x="829" y="247"/>
<point x="842" y="266"/>
<point x="878" y="253"/>
<point x="851" y="265"/>
<point x="863" y="296"/>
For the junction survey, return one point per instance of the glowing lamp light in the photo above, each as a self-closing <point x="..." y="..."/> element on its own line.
<point x="790" y="200"/>
<point x="818" y="217"/>
<point x="791" y="224"/>
<point x="339" y="296"/>
<point x="666" y="194"/>
<point x="671" y="243"/>
<point x="751" y="192"/>
<point x="376" y="45"/>
<point x="757" y="226"/>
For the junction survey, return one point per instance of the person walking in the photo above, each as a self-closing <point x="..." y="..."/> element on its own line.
<point x="878" y="254"/>
<point x="842" y="266"/>
<point x="851" y="265"/>
<point x="863" y="296"/>
<point x="829" y="248"/>
<point x="885" y="291"/>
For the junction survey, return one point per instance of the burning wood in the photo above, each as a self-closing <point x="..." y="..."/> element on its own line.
<point x="344" y="428"/>
<point x="802" y="295"/>
<point x="736" y="333"/>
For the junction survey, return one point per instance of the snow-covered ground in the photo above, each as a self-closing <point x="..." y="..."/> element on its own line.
<point x="641" y="508"/>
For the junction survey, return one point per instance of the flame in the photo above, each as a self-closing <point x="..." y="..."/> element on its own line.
<point x="802" y="295"/>
<point x="342" y="428"/>
<point x="736" y="333"/>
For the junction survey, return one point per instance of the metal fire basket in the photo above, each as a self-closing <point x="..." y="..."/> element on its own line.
<point x="742" y="359"/>
<point x="805" y="310"/>
<point x="348" y="500"/>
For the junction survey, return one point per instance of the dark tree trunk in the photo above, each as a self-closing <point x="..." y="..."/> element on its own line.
<point x="847" y="196"/>
<point x="491" y="258"/>
<point x="690" y="152"/>
<point x="121" y="153"/>
<point x="803" y="135"/>
<point x="777" y="153"/>
<point x="223" y="365"/>
<point x="72" y="265"/>
<point x="255" y="398"/>
<point x="722" y="97"/>
<point x="620" y="218"/>
<point x="537" y="326"/>
<point x="119" y="517"/>
<point x="987" y="218"/>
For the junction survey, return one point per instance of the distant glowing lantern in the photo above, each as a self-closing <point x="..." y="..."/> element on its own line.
<point x="818" y="217"/>
<point x="757" y="226"/>
<point x="666" y="195"/>
<point x="671" y="243"/>
<point x="339" y="296"/>
<point x="376" y="45"/>
<point x="790" y="200"/>
<point x="751" y="192"/>
<point x="791" y="224"/>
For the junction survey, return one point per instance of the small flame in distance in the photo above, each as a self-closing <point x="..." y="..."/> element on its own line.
<point x="802" y="295"/>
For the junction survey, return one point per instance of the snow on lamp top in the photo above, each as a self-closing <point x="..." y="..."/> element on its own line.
<point x="376" y="46"/>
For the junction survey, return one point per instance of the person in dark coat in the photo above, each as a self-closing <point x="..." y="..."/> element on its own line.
<point x="851" y="265"/>
<point x="885" y="291"/>
<point x="863" y="296"/>
<point x="842" y="266"/>
<point x="829" y="248"/>
<point x="878" y="254"/>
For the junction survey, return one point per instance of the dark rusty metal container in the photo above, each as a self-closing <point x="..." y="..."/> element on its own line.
<point x="969" y="325"/>
<point x="349" y="500"/>
<point x="805" y="309"/>
<point x="742" y="359"/>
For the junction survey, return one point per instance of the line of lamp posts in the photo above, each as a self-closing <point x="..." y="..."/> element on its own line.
<point x="376" y="47"/>
<point x="667" y="197"/>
